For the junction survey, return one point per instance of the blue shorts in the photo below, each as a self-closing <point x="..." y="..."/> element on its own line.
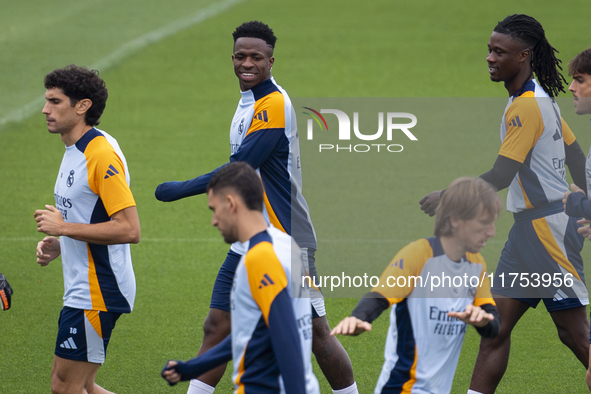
<point x="220" y="297"/>
<point x="542" y="260"/>
<point x="84" y="335"/>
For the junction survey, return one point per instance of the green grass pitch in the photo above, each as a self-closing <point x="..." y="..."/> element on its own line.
<point x="172" y="96"/>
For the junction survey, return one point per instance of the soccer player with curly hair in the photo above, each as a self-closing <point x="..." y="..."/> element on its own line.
<point x="95" y="218"/>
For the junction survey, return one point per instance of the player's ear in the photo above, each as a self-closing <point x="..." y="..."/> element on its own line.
<point x="524" y="54"/>
<point x="83" y="106"/>
<point x="454" y="223"/>
<point x="232" y="202"/>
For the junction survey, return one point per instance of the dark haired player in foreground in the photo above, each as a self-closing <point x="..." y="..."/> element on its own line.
<point x="427" y="328"/>
<point x="95" y="219"/>
<point x="264" y="134"/>
<point x="536" y="145"/>
<point x="270" y="347"/>
<point x="577" y="204"/>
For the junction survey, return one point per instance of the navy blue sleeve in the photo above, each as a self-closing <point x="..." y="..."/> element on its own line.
<point x="254" y="150"/>
<point x="286" y="344"/>
<point x="172" y="191"/>
<point x="214" y="357"/>
<point x="578" y="205"/>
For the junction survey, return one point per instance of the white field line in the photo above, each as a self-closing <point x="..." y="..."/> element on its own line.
<point x="129" y="49"/>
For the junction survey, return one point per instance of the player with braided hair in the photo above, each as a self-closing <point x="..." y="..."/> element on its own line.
<point x="543" y="60"/>
<point x="537" y="146"/>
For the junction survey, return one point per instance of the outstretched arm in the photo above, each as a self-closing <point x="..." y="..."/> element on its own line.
<point x="367" y="310"/>
<point x="255" y="149"/>
<point x="502" y="173"/>
<point x="500" y="176"/>
<point x="172" y="191"/>
<point x="175" y="371"/>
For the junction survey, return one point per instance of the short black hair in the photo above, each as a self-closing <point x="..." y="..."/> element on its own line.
<point x="79" y="83"/>
<point x="543" y="59"/>
<point x="255" y="29"/>
<point x="581" y="63"/>
<point x="242" y="178"/>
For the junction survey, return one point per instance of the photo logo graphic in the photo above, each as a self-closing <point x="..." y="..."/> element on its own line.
<point x="316" y="119"/>
<point x="344" y="130"/>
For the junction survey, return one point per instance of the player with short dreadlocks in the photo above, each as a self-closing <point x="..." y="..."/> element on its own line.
<point x="537" y="146"/>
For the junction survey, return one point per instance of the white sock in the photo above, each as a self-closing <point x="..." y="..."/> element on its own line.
<point x="352" y="389"/>
<point x="198" y="387"/>
<point x="474" y="392"/>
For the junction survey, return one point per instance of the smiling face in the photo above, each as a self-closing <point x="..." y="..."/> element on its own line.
<point x="507" y="60"/>
<point x="581" y="90"/>
<point x="253" y="60"/>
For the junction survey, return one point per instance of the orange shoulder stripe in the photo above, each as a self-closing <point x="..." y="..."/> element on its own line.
<point x="266" y="276"/>
<point x="269" y="113"/>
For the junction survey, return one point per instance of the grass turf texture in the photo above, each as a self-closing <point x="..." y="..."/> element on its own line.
<point x="170" y="106"/>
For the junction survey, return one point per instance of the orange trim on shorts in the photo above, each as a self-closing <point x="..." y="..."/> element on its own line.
<point x="95" y="321"/>
<point x="545" y="234"/>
